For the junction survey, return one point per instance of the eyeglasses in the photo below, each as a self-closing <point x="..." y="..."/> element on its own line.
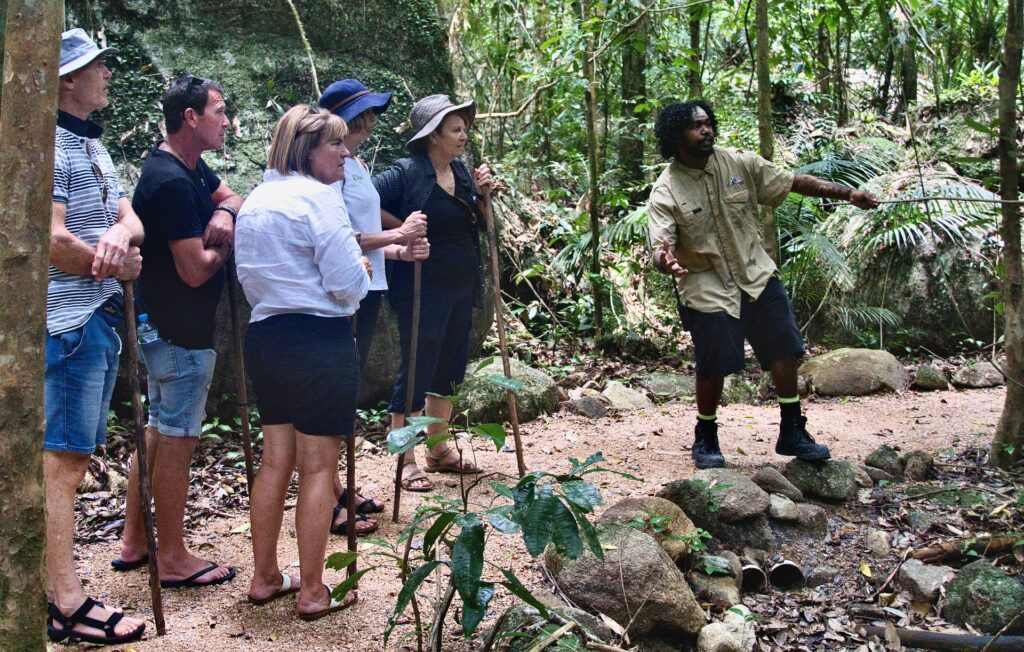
<point x="98" y="173"/>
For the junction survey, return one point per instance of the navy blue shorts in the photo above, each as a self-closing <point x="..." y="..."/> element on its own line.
<point x="767" y="323"/>
<point x="366" y="324"/>
<point x="446" y="318"/>
<point x="305" y="372"/>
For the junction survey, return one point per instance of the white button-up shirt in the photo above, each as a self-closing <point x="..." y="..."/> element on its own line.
<point x="363" y="205"/>
<point x="295" y="250"/>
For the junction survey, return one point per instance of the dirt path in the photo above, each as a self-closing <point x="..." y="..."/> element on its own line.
<point x="652" y="444"/>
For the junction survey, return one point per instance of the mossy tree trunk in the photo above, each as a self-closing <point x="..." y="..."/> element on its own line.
<point x="27" y="121"/>
<point x="1008" y="444"/>
<point x="634" y="91"/>
<point x="694" y="75"/>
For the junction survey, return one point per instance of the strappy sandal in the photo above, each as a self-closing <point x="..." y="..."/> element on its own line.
<point x="463" y="467"/>
<point x="407" y="482"/>
<point x="367" y="506"/>
<point x="342" y="528"/>
<point x="81" y="617"/>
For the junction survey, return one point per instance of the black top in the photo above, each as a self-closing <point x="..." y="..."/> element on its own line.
<point x="451" y="231"/>
<point x="175" y="203"/>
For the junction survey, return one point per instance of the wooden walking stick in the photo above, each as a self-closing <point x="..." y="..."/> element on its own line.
<point x="513" y="415"/>
<point x="350" y="480"/>
<point x="410" y="376"/>
<point x="140" y="449"/>
<point x="240" y="388"/>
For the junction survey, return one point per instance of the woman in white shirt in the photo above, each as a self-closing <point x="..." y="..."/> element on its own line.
<point x="360" y="108"/>
<point x="304" y="275"/>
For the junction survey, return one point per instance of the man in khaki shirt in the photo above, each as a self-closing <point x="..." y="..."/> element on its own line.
<point x="705" y="231"/>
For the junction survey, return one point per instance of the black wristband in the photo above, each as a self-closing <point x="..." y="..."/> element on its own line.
<point x="227" y="209"/>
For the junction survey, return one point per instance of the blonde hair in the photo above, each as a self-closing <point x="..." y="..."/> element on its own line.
<point x="299" y="131"/>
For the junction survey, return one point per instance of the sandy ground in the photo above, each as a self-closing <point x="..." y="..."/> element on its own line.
<point x="653" y="444"/>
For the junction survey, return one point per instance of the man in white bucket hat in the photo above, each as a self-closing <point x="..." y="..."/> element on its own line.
<point x="93" y="245"/>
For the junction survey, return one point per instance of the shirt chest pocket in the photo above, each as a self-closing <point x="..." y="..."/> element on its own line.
<point x="737" y="206"/>
<point x="694" y="223"/>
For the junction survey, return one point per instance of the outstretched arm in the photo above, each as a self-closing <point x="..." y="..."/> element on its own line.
<point x="809" y="186"/>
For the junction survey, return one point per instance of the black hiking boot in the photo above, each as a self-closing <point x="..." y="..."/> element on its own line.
<point x="794" y="440"/>
<point x="706" y="453"/>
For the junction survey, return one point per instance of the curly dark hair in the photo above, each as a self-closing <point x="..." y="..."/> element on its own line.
<point x="675" y="118"/>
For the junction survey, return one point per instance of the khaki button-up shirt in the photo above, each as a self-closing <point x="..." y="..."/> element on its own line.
<point x="710" y="219"/>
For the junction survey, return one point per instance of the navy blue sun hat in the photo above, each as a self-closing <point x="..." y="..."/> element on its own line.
<point x="347" y="98"/>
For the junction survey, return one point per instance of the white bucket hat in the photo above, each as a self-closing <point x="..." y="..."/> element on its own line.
<point x="77" y="50"/>
<point x="428" y="113"/>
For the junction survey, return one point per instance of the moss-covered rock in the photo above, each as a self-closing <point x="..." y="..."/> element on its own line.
<point x="886" y="459"/>
<point x="487" y="402"/>
<point x="984" y="597"/>
<point x="928" y="379"/>
<point x="830" y="480"/>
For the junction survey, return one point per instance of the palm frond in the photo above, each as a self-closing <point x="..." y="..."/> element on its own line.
<point x="855" y="318"/>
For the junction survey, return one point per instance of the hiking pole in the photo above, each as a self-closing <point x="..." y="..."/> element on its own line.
<point x="410" y="376"/>
<point x="350" y="474"/>
<point x="140" y="459"/>
<point x="513" y="415"/>
<point x="240" y="389"/>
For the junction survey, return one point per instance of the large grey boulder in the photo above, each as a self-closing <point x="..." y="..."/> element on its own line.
<point x="635" y="581"/>
<point x="984" y="597"/>
<point x="487" y="402"/>
<point x="702" y="506"/>
<point x="734" y="494"/>
<point x="854" y="372"/>
<point x="663" y="520"/>
<point x="769" y="479"/>
<point x="929" y="379"/>
<point x="831" y="480"/>
<point x="622" y="397"/>
<point x="923" y="581"/>
<point x="977" y="375"/>
<point x="887" y="459"/>
<point x="668" y="385"/>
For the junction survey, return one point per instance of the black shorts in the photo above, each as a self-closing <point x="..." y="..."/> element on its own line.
<point x="305" y="371"/>
<point x="767" y="323"/>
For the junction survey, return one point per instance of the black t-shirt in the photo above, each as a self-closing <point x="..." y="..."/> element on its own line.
<point x="454" y="259"/>
<point x="175" y="203"/>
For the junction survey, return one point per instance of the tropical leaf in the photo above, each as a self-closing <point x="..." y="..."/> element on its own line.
<point x="473" y="613"/>
<point x="537" y="528"/>
<point x="493" y="431"/>
<point x="406" y="592"/>
<point x="517" y="589"/>
<point x="585" y="495"/>
<point x="468" y="559"/>
<point x="565" y="533"/>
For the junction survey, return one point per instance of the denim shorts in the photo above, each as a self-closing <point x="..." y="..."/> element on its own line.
<point x="179" y="380"/>
<point x="81" y="367"/>
<point x="766" y="322"/>
<point x="305" y="372"/>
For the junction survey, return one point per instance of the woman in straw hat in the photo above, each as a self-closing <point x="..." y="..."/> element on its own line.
<point x="435" y="181"/>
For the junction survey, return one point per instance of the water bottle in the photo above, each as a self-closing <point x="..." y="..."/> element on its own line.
<point x="145" y="331"/>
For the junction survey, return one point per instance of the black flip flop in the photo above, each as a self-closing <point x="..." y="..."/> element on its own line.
<point x="122" y="565"/>
<point x="190" y="582"/>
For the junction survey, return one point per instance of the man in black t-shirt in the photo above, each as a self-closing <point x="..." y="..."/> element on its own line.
<point x="189" y="215"/>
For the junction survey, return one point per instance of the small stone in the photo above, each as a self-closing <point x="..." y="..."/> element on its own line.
<point x="977" y="375"/>
<point x="820" y="575"/>
<point x="812" y="518"/>
<point x="719" y="590"/>
<point x="741" y="621"/>
<point x="782" y="508"/>
<point x="984" y="597"/>
<point x="769" y="479"/>
<point x="923" y="581"/>
<point x="918" y="465"/>
<point x="885" y="458"/>
<point x="718" y="637"/>
<point x="590" y="407"/>
<point x="862" y="477"/>
<point x="624" y="398"/>
<point x="735" y="564"/>
<point x="929" y="379"/>
<point x="877" y="543"/>
<point x="877" y="475"/>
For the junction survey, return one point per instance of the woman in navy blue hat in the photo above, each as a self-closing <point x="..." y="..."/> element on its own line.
<point x="435" y="181"/>
<point x="360" y="108"/>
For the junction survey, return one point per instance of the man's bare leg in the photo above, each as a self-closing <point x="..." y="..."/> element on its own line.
<point x="63" y="472"/>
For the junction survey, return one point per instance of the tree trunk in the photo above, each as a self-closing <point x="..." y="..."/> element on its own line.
<point x="890" y="57"/>
<point x="27" y="122"/>
<point x="1008" y="443"/>
<point x="590" y="101"/>
<point x="695" y="58"/>
<point x="840" y="88"/>
<point x="634" y="92"/>
<point x="764" y="118"/>
<point x="824" y="73"/>
<point x="908" y="67"/>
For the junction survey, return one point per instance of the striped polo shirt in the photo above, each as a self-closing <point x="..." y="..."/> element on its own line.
<point x="82" y="167"/>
